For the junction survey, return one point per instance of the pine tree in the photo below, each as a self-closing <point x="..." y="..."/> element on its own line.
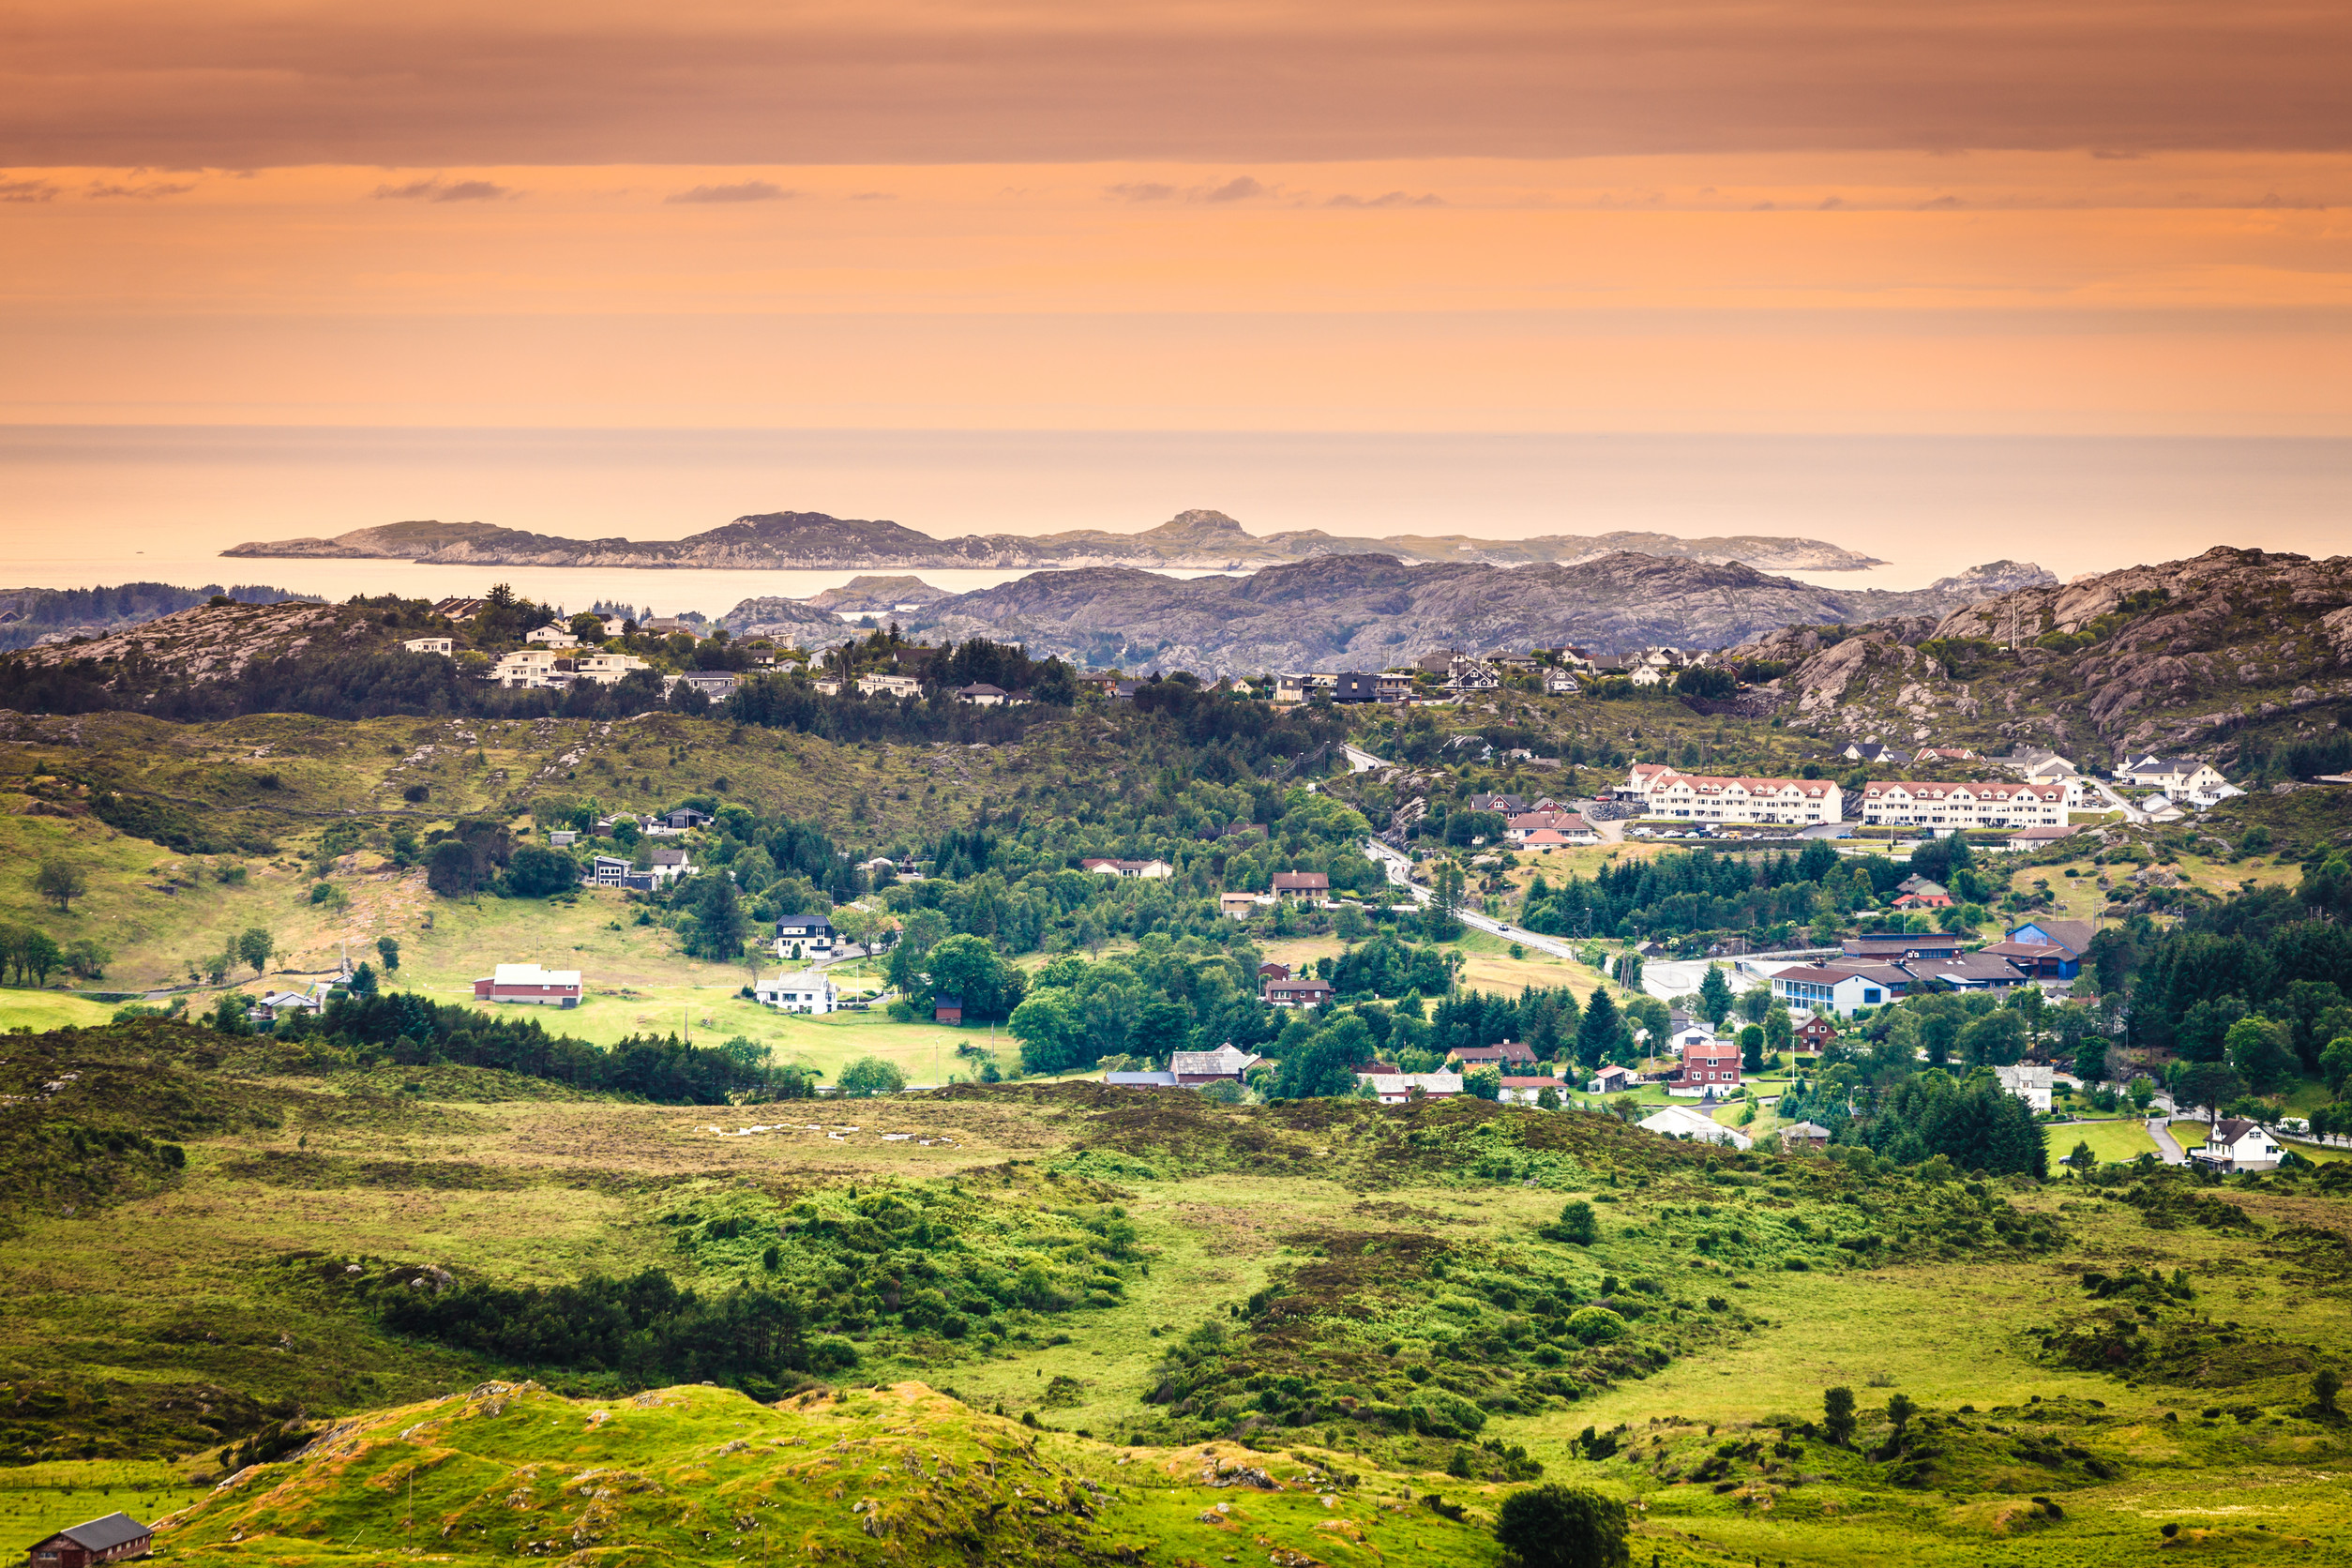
<point x="1715" y="995"/>
<point x="1596" y="1034"/>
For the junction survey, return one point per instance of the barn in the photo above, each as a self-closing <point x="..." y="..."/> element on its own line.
<point x="107" y="1540"/>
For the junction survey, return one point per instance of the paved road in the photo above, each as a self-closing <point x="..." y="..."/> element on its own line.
<point x="1399" y="874"/>
<point x="2169" y="1151"/>
<point x="1360" y="761"/>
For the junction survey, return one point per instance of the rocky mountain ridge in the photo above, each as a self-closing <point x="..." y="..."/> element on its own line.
<point x="1371" y="611"/>
<point x="2172" y="657"/>
<point x="1192" y="540"/>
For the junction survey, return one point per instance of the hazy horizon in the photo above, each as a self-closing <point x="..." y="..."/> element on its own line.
<point x="90" y="503"/>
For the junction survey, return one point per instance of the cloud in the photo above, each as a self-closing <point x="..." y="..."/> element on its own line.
<point x="1139" y="190"/>
<point x="749" y="190"/>
<point x="1941" y="201"/>
<point x="875" y="196"/>
<point x="1830" y="204"/>
<point x="151" y="191"/>
<point x="2110" y="155"/>
<point x="27" y="190"/>
<point x="434" y="191"/>
<point x="1240" y="188"/>
<point x="1394" y="199"/>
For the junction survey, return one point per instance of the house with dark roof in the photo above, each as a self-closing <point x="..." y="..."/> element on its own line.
<point x="1303" y="992"/>
<point x="1225" y="1064"/>
<point x="947" y="1009"/>
<point x="1302" y="884"/>
<point x="2235" y="1143"/>
<point x="1503" y="1053"/>
<point x="108" y="1540"/>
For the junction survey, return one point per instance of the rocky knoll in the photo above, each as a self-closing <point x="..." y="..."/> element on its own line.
<point x="1371" y="611"/>
<point x="1196" y="540"/>
<point x="2168" y="657"/>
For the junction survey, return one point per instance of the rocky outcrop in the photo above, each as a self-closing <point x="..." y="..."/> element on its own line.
<point x="791" y="621"/>
<point x="1372" y="612"/>
<point x="2166" y="657"/>
<point x="214" y="643"/>
<point x="1198" y="540"/>
<point x="878" y="595"/>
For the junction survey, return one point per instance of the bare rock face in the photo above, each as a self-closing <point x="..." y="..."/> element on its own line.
<point x="1353" y="612"/>
<point x="2164" y="656"/>
<point x="215" y="642"/>
<point x="1200" y="539"/>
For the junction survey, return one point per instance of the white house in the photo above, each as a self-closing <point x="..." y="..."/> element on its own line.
<point x="717" y="685"/>
<point x="1699" y="797"/>
<point x="1558" y="683"/>
<point x="431" y="644"/>
<point x="2029" y="1083"/>
<point x="1945" y="807"/>
<point x="607" y="668"/>
<point x="551" y="636"/>
<point x="805" y="992"/>
<point x="979" y="694"/>
<point x="804" y="935"/>
<point x="670" y="865"/>
<point x="1837" y="990"/>
<point x="889" y="686"/>
<point x="1526" y="1090"/>
<point x="526" y="668"/>
<point x="1692" y="1126"/>
<point x="2177" y="776"/>
<point x="1611" y="1079"/>
<point x="1146" y="870"/>
<point x="2235" y="1143"/>
<point x="1395" y="1089"/>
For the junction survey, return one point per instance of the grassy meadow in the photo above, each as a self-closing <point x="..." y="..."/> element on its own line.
<point x="199" y="1284"/>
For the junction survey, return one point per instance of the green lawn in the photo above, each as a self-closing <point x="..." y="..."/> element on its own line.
<point x="2117" y="1142"/>
<point x="46" y="1010"/>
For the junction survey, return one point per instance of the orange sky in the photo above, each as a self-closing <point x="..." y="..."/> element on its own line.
<point x="1808" y="217"/>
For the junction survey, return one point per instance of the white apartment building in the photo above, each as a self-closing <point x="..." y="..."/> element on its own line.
<point x="1699" y="797"/>
<point x="1945" y="807"/>
<point x="606" y="668"/>
<point x="551" y="636"/>
<point x="527" y="669"/>
<point x="889" y="686"/>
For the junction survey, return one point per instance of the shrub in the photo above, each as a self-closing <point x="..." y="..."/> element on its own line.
<point x="1578" y="1224"/>
<point x="872" y="1075"/>
<point x="1596" y="1325"/>
<point x="1554" y="1525"/>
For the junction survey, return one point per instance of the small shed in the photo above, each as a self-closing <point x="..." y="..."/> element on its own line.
<point x="947" y="1009"/>
<point x="107" y="1540"/>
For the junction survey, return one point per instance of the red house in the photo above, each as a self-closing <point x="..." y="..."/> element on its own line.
<point x="947" y="1009"/>
<point x="1713" y="1063"/>
<point x="108" y="1540"/>
<point x="1814" y="1033"/>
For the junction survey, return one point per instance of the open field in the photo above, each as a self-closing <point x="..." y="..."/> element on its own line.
<point x="191" y="1283"/>
<point x="2117" y="1142"/>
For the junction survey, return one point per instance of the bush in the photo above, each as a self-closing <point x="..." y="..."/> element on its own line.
<point x="1554" y="1525"/>
<point x="870" y="1075"/>
<point x="1578" y="1224"/>
<point x="1596" y="1325"/>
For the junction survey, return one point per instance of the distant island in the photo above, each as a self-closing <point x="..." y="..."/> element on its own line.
<point x="1193" y="540"/>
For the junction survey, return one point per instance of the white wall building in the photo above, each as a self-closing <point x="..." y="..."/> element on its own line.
<point x="1995" y="805"/>
<point x="431" y="644"/>
<point x="1395" y="1089"/>
<point x="2177" y="776"/>
<point x="889" y="686"/>
<point x="2029" y="1083"/>
<point x="1692" y="1126"/>
<point x="551" y="636"/>
<point x="805" y="992"/>
<point x="526" y="670"/>
<point x="607" y="668"/>
<point x="2241" y="1145"/>
<point x="1701" y="797"/>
